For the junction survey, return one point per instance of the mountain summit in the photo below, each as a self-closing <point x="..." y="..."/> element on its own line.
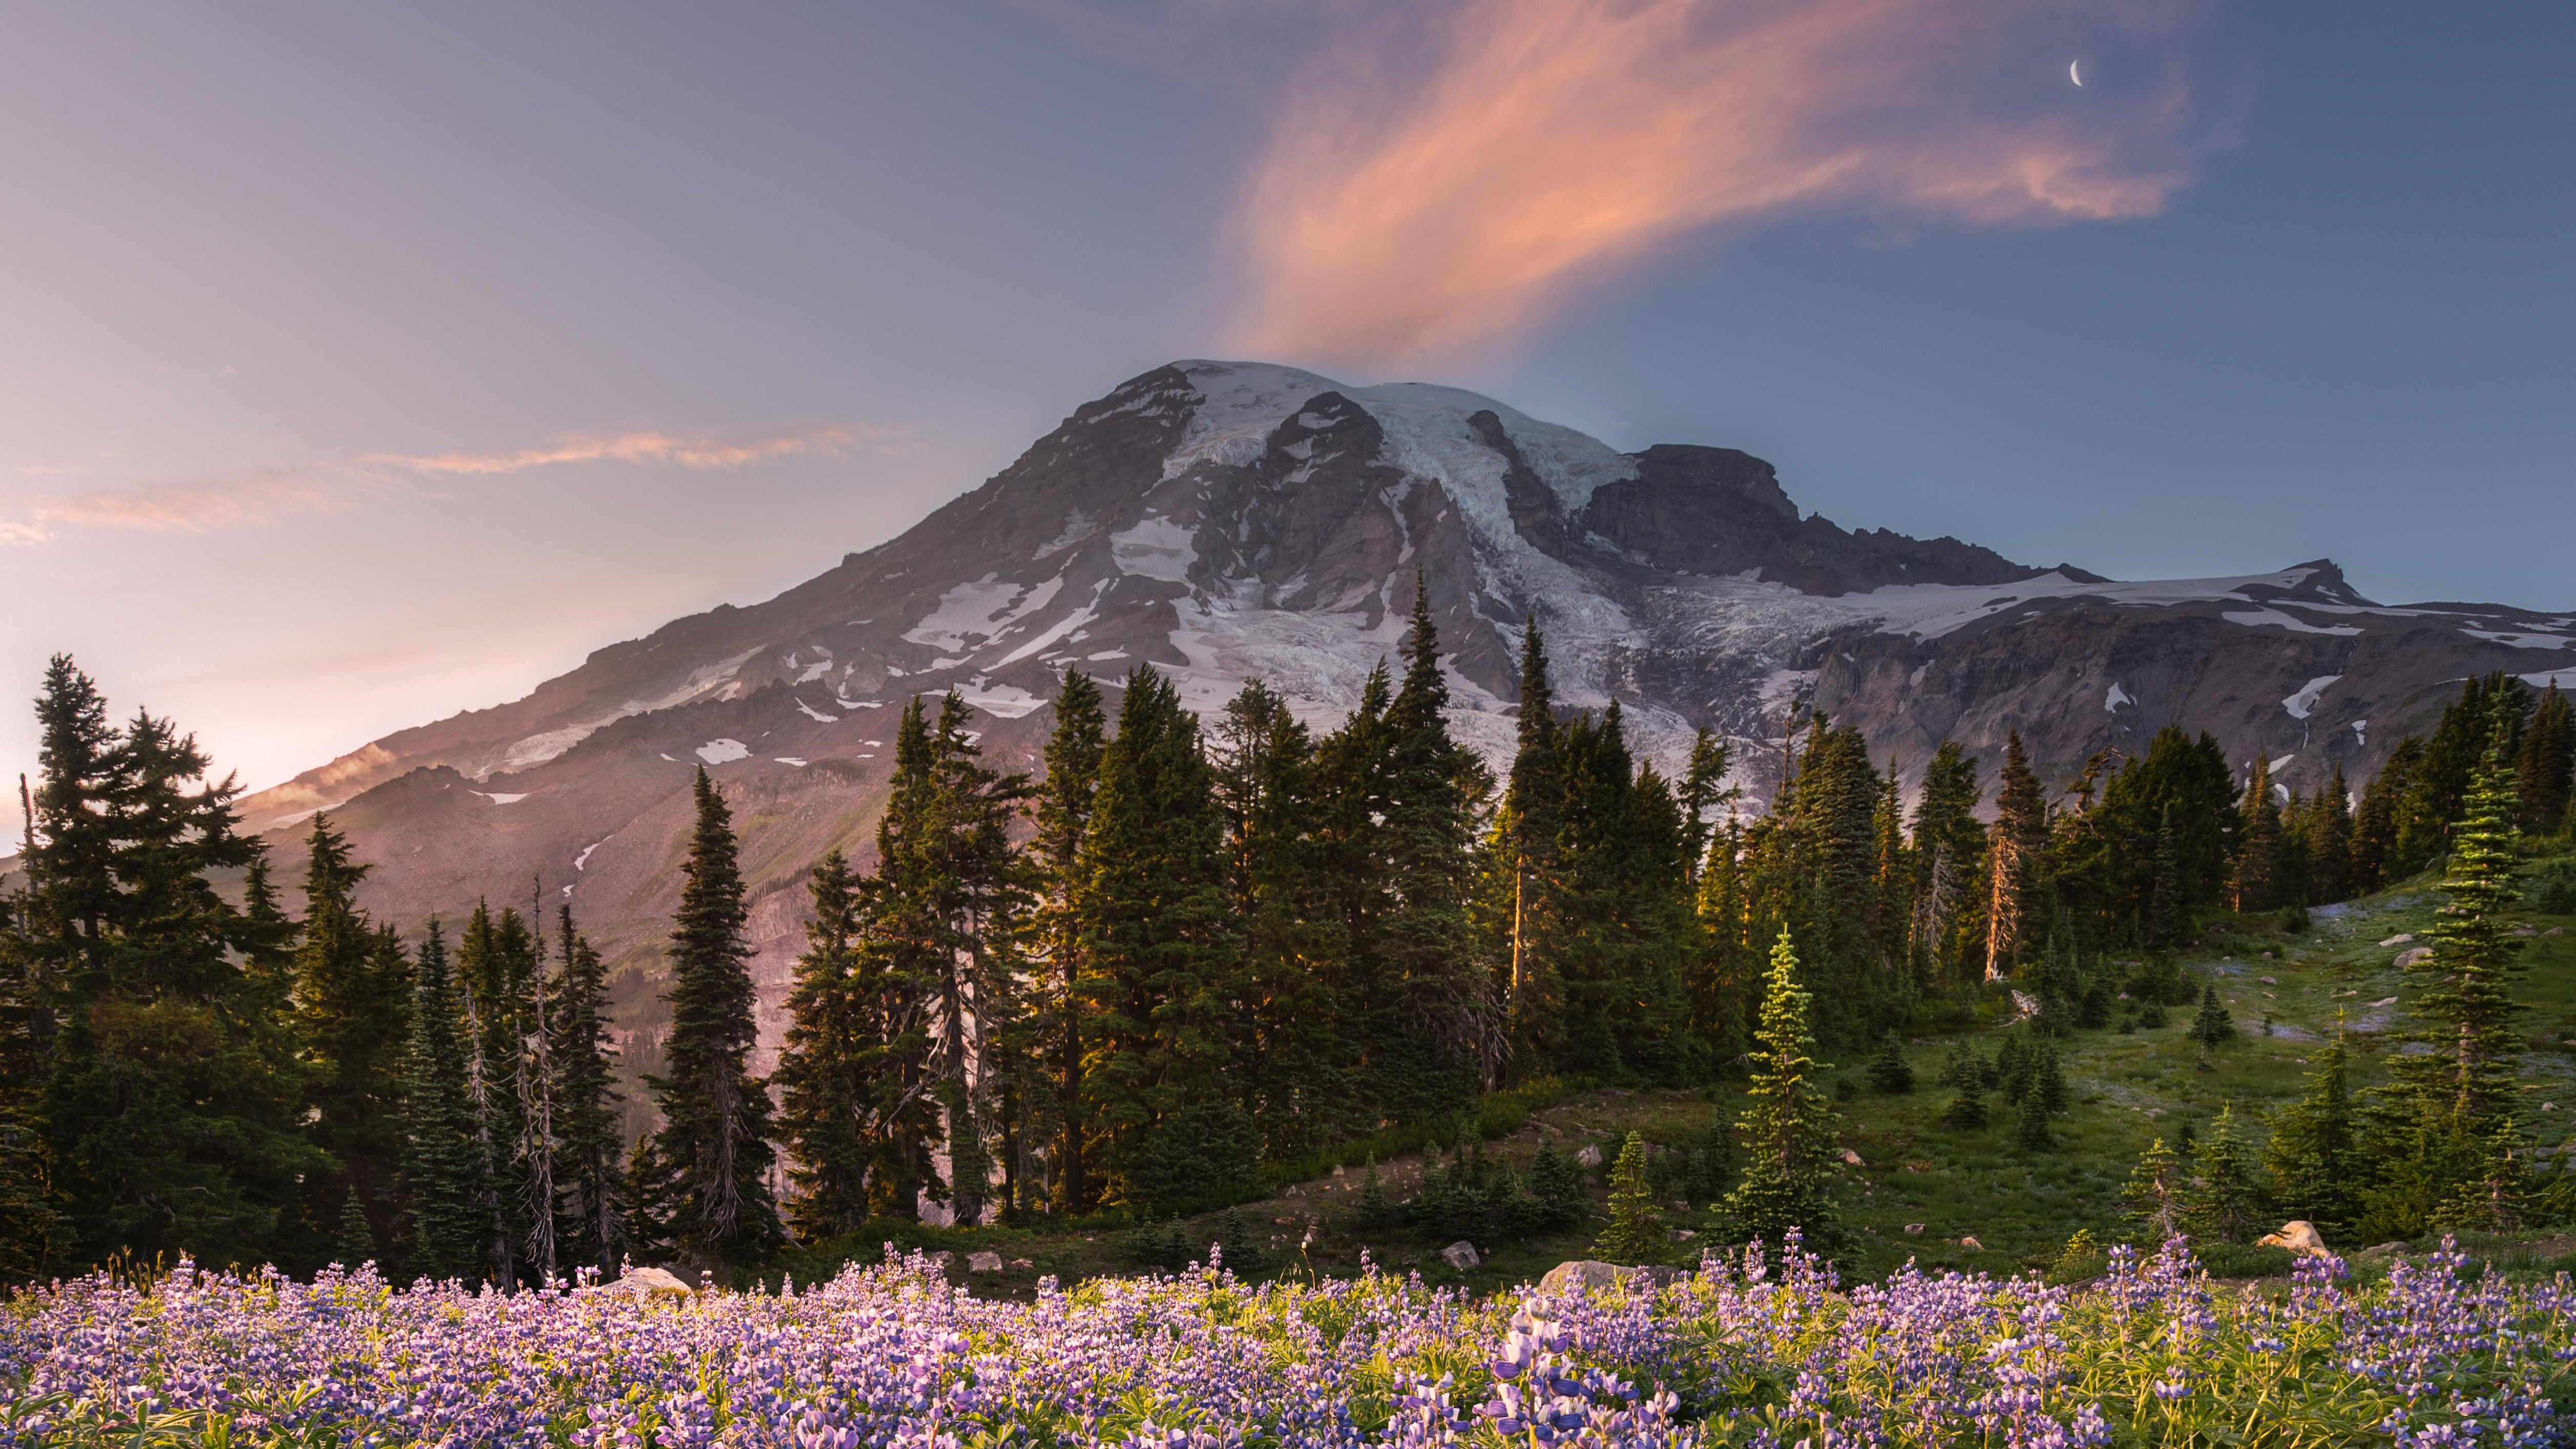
<point x="1225" y="521"/>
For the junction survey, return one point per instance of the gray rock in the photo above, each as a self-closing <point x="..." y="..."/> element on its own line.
<point x="983" y="1262"/>
<point x="1581" y="1276"/>
<point x="1460" y="1255"/>
<point x="645" y="1285"/>
<point x="1589" y="1158"/>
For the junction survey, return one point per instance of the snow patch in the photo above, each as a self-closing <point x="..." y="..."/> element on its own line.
<point x="2258" y="618"/>
<point x="817" y="715"/>
<point x="1006" y="701"/>
<point x="2306" y="699"/>
<point x="2112" y="701"/>
<point x="788" y="760"/>
<point x="718" y="752"/>
<point x="2518" y="641"/>
<point x="582" y="861"/>
<point x="504" y="797"/>
<point x="1156" y="548"/>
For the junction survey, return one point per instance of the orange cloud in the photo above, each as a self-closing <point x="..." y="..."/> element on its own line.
<point x="653" y="448"/>
<point x="1420" y="199"/>
<point x="253" y="497"/>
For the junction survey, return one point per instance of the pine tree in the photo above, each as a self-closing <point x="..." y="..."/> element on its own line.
<point x="2258" y="847"/>
<point x="589" y="1173"/>
<point x="1967" y="1110"/>
<point x="2310" y="1158"/>
<point x="1439" y="1049"/>
<point x="2545" y="763"/>
<point x="2445" y="1122"/>
<point x="1376" y="1211"/>
<point x="1946" y="932"/>
<point x="2222" y="1199"/>
<point x="352" y="1006"/>
<point x="833" y="1027"/>
<point x="1163" y="959"/>
<point x="1063" y="817"/>
<point x="2375" y="824"/>
<point x="2030" y="1121"/>
<point x="1785" y="1129"/>
<point x="2329" y="841"/>
<point x="2154" y="1194"/>
<point x="443" y="1166"/>
<point x="1888" y="1071"/>
<point x="715" y="1114"/>
<point x="172" y="1098"/>
<point x="1557" y="1184"/>
<point x="1636" y="1230"/>
<point x="353" y="1240"/>
<point x="2213" y="1026"/>
<point x="496" y="969"/>
<point x="1526" y="835"/>
<point x="2020" y="840"/>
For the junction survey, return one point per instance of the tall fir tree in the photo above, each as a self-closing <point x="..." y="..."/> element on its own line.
<point x="1786" y="1128"/>
<point x="444" y="1167"/>
<point x="715" y="1114"/>
<point x="1949" y="852"/>
<point x="1162" y="962"/>
<point x="1526" y="843"/>
<point x="827" y="1109"/>
<point x="1635" y="1233"/>
<point x="2258" y="845"/>
<point x="1439" y="1042"/>
<point x="2310" y="1159"/>
<point x="352" y="1009"/>
<point x="589" y="1176"/>
<point x="1063" y="827"/>
<point x="2015" y="870"/>
<point x="2543" y="766"/>
<point x="172" y="1097"/>
<point x="2445" y="1122"/>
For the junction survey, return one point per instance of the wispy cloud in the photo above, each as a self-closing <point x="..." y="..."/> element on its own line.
<point x="264" y="494"/>
<point x="1428" y="192"/>
<point x="653" y="448"/>
<point x="248" y="498"/>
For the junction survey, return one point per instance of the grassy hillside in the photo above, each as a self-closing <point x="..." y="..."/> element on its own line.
<point x="2286" y="989"/>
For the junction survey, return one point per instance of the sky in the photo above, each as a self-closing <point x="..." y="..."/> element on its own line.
<point x="359" y="365"/>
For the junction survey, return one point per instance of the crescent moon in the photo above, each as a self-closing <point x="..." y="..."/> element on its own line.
<point x="2075" y="71"/>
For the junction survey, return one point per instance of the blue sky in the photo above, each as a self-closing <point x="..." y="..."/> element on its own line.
<point x="358" y="365"/>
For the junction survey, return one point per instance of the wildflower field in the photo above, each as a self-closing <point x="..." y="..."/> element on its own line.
<point x="1736" y="1353"/>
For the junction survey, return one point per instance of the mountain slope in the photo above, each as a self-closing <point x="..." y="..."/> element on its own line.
<point x="1225" y="521"/>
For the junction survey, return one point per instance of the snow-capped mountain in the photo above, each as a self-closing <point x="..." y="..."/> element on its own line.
<point x="1226" y="521"/>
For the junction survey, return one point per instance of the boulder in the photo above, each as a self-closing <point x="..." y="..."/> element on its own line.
<point x="2381" y="1250"/>
<point x="2407" y="960"/>
<point x="1021" y="1265"/>
<point x="2407" y="939"/>
<point x="1972" y="1245"/>
<point x="983" y="1262"/>
<point x="1589" y="1157"/>
<point x="1580" y="1277"/>
<point x="1850" y="1158"/>
<point x="645" y="1285"/>
<point x="2299" y="1236"/>
<point x="1460" y="1255"/>
<point x="1913" y="1230"/>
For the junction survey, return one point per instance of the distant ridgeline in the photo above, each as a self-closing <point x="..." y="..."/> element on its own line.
<point x="1186" y="953"/>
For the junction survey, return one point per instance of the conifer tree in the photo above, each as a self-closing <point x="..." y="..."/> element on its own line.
<point x="1967" y="1110"/>
<point x="2545" y="763"/>
<point x="1949" y="851"/>
<point x="2213" y="1026"/>
<point x="444" y="1169"/>
<point x="1434" y="786"/>
<point x="2258" y="847"/>
<point x="1063" y="818"/>
<point x="2030" y="1121"/>
<point x="1163" y="960"/>
<point x="2222" y="1198"/>
<point x="1636" y="1231"/>
<point x="2020" y="839"/>
<point x="352" y="1007"/>
<point x="715" y="1114"/>
<point x="2445" y="1122"/>
<point x="2329" y="841"/>
<point x="2375" y="824"/>
<point x="172" y="1098"/>
<point x="1526" y="838"/>
<point x="589" y="1168"/>
<point x="1888" y="1071"/>
<point x="2154" y="1194"/>
<point x="833" y="1031"/>
<point x="1785" y="1128"/>
<point x="2310" y="1161"/>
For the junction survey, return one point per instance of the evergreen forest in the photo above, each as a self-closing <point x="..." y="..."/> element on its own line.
<point x="1196" y="958"/>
